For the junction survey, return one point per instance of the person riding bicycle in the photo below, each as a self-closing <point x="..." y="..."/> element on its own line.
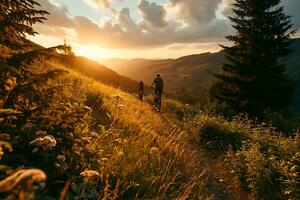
<point x="159" y="86"/>
<point x="141" y="90"/>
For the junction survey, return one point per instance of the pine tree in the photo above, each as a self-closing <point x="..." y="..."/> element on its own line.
<point x="16" y="20"/>
<point x="252" y="80"/>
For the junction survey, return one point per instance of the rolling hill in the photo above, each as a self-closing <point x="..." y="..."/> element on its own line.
<point x="97" y="72"/>
<point x="193" y="72"/>
<point x="82" y="65"/>
<point x="190" y="72"/>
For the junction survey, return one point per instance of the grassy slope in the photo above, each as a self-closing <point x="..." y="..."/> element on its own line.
<point x="97" y="71"/>
<point x="144" y="156"/>
<point x="146" y="132"/>
<point x="153" y="154"/>
<point x="179" y="143"/>
<point x="83" y="65"/>
<point x="179" y="157"/>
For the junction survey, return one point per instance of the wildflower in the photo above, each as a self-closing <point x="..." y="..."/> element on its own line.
<point x="46" y="143"/>
<point x="89" y="175"/>
<point x="23" y="177"/>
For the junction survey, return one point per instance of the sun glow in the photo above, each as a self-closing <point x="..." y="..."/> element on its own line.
<point x="92" y="52"/>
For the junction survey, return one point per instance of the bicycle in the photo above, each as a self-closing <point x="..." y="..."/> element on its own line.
<point x="157" y="102"/>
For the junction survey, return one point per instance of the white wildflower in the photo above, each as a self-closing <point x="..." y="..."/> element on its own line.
<point x="22" y="177"/>
<point x="89" y="175"/>
<point x="46" y="143"/>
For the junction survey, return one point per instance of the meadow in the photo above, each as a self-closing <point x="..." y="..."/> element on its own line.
<point x="66" y="136"/>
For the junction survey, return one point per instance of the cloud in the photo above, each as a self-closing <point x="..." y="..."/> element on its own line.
<point x="194" y="21"/>
<point x="153" y="13"/>
<point x="228" y="9"/>
<point x="59" y="16"/>
<point x="123" y="31"/>
<point x="196" y="11"/>
<point x="106" y="4"/>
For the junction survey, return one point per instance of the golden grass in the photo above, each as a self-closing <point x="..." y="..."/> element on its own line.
<point x="148" y="154"/>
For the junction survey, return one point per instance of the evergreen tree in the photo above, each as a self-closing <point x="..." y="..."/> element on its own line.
<point x="252" y="80"/>
<point x="16" y="20"/>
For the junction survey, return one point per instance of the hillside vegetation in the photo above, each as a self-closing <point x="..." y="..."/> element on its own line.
<point x="91" y="141"/>
<point x="88" y="140"/>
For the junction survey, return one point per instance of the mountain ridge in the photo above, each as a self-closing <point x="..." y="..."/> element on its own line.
<point x="193" y="73"/>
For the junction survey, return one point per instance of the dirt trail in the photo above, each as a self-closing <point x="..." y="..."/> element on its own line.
<point x="219" y="179"/>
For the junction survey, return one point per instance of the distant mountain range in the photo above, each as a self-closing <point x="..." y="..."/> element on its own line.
<point x="193" y="73"/>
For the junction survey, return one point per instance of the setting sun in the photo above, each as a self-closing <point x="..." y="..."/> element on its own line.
<point x="92" y="52"/>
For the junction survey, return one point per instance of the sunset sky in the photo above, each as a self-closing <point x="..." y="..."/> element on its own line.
<point x="128" y="29"/>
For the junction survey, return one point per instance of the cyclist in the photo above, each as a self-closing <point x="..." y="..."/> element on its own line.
<point x="159" y="86"/>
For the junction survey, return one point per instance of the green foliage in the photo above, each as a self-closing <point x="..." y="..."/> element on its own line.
<point x="268" y="173"/>
<point x="176" y="109"/>
<point x="252" y="80"/>
<point x="262" y="160"/>
<point x="16" y="20"/>
<point x="219" y="138"/>
<point x="46" y="122"/>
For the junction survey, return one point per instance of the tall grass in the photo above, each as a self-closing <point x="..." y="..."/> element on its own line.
<point x="148" y="154"/>
<point x="102" y="142"/>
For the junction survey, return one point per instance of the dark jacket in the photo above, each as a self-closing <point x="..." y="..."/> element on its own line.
<point x="159" y="83"/>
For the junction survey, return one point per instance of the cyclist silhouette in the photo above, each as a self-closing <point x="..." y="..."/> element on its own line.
<point x="159" y="86"/>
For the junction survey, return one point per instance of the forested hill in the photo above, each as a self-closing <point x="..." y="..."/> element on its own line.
<point x="193" y="73"/>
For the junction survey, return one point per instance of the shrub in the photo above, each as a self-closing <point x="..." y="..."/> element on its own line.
<point x="270" y="172"/>
<point x="219" y="138"/>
